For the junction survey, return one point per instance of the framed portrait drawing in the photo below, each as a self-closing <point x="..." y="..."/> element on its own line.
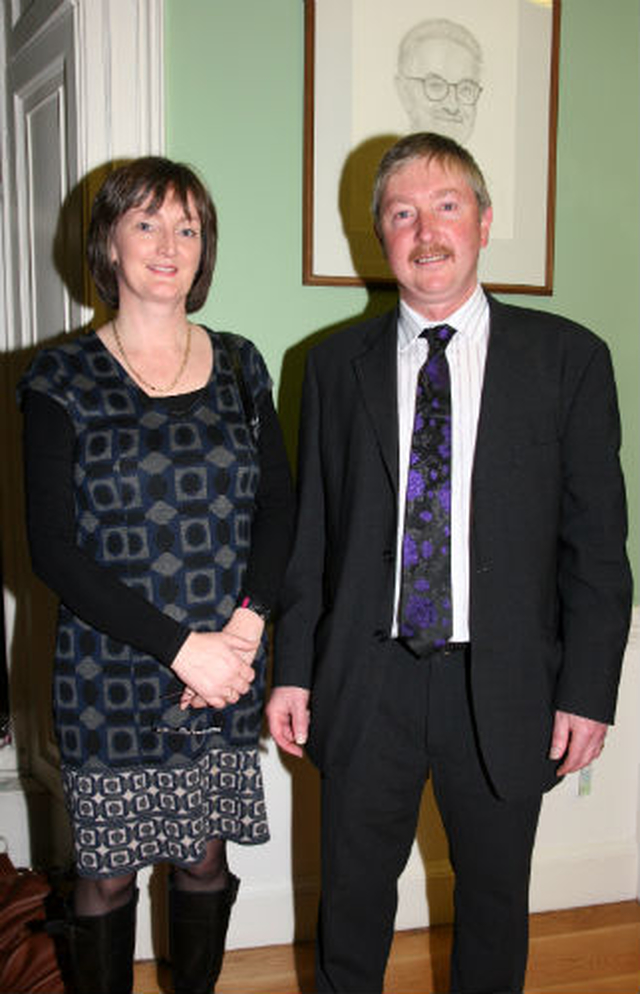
<point x="484" y="72"/>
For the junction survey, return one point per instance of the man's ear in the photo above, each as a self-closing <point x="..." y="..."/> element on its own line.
<point x="485" y="226"/>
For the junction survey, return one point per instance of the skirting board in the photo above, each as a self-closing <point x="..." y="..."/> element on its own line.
<point x="266" y="916"/>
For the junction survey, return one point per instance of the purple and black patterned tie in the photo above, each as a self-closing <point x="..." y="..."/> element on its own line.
<point x="425" y="597"/>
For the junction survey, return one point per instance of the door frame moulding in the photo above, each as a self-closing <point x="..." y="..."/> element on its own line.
<point x="117" y="68"/>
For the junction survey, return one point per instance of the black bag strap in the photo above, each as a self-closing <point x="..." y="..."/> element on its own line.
<point x="248" y="403"/>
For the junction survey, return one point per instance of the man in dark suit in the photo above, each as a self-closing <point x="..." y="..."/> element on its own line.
<point x="458" y="599"/>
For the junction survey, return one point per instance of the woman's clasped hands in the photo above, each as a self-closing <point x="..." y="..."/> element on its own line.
<point x="216" y="667"/>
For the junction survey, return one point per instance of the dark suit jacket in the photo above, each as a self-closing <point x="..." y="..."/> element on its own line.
<point x="550" y="583"/>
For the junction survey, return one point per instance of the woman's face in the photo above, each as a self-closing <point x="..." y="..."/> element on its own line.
<point x="157" y="255"/>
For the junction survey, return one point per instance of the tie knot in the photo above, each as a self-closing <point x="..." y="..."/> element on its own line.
<point x="438" y="337"/>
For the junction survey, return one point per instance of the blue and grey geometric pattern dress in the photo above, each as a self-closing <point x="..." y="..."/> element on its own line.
<point x="164" y="499"/>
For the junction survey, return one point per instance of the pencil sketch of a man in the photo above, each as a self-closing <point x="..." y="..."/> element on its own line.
<point x="438" y="81"/>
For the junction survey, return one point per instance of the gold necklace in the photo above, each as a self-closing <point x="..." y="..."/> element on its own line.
<point x="139" y="377"/>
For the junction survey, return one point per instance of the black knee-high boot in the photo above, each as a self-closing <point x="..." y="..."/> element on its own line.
<point x="102" y="948"/>
<point x="198" y="929"/>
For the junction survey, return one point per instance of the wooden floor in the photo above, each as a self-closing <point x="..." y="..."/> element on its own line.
<point x="583" y="950"/>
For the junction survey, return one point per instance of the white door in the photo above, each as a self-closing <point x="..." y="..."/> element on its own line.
<point x="82" y="82"/>
<point x="40" y="169"/>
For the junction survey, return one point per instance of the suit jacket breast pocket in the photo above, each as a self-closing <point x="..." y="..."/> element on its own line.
<point x="534" y="473"/>
<point x="536" y="451"/>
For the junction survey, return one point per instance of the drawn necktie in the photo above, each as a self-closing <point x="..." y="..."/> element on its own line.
<point x="425" y="597"/>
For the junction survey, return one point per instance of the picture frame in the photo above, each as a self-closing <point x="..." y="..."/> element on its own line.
<point x="368" y="67"/>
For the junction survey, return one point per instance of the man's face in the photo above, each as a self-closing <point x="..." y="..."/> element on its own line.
<point x="445" y="60"/>
<point x="432" y="233"/>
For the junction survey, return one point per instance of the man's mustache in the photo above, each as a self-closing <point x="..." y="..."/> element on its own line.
<point x="433" y="250"/>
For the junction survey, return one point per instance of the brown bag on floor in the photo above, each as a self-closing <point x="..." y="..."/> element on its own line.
<point x="28" y="962"/>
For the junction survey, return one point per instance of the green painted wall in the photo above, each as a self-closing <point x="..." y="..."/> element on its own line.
<point x="234" y="108"/>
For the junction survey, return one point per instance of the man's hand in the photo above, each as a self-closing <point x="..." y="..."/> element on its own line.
<point x="288" y="714"/>
<point x="576" y="740"/>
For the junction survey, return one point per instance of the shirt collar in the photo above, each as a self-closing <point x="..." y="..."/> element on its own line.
<point x="411" y="324"/>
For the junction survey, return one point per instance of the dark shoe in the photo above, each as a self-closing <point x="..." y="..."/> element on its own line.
<point x="198" y="929"/>
<point x="102" y="948"/>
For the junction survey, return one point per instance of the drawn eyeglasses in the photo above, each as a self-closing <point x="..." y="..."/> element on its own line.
<point x="437" y="89"/>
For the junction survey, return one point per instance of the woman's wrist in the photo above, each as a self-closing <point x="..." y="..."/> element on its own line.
<point x="246" y="623"/>
<point x="250" y="603"/>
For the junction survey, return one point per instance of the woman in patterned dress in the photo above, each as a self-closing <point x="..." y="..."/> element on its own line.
<point x="159" y="508"/>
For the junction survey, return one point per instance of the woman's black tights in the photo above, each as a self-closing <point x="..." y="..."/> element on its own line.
<point x="102" y="895"/>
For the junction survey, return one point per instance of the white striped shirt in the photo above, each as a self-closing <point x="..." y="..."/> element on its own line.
<point x="466" y="355"/>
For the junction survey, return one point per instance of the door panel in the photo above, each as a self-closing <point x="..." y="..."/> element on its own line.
<point x="82" y="85"/>
<point x="40" y="164"/>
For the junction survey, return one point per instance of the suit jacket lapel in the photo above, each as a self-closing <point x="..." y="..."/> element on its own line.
<point x="496" y="380"/>
<point x="504" y="382"/>
<point x="375" y="370"/>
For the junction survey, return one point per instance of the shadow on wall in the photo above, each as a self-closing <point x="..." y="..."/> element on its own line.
<point x="353" y="201"/>
<point x="356" y="188"/>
